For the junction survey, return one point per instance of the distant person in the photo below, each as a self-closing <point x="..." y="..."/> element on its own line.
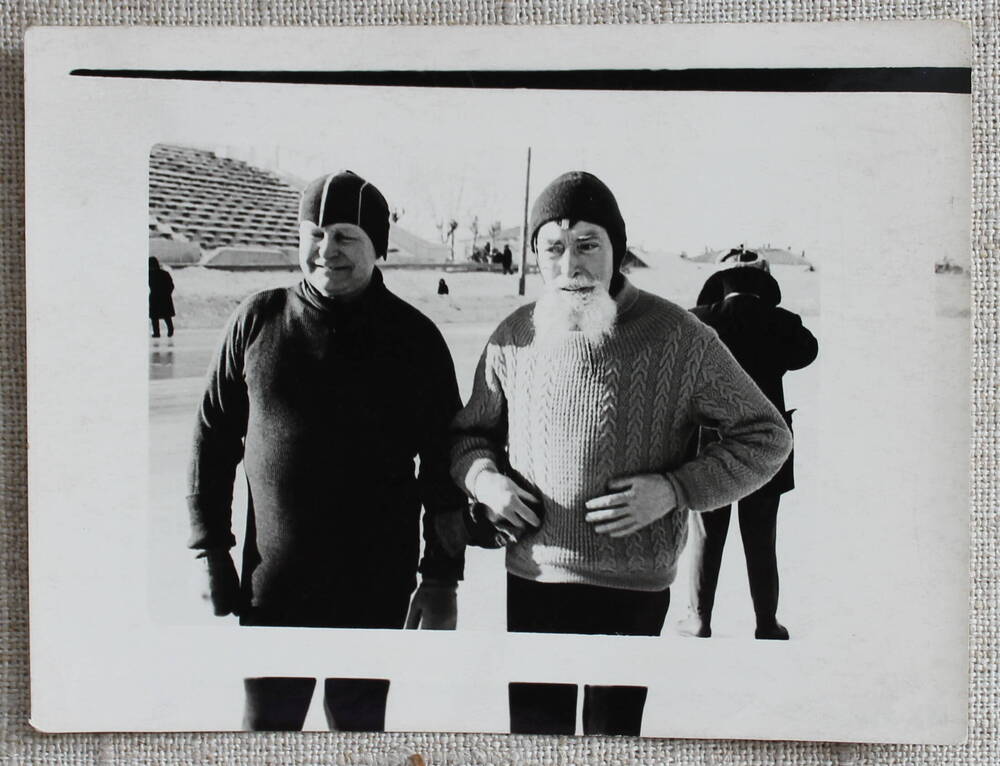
<point x="161" y="302"/>
<point x="741" y="305"/>
<point x="442" y="287"/>
<point x="304" y="392"/>
<point x="508" y="260"/>
<point x="576" y="439"/>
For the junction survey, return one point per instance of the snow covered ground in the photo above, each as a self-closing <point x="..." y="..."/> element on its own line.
<point x="814" y="544"/>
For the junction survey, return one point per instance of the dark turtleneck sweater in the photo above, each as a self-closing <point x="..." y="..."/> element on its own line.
<point x="327" y="403"/>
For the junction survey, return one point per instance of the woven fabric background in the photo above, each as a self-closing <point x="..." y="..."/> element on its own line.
<point x="19" y="744"/>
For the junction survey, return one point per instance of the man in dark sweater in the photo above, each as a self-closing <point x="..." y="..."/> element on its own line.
<point x="741" y="304"/>
<point x="327" y="391"/>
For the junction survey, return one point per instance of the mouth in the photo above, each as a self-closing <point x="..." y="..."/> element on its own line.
<point x="577" y="288"/>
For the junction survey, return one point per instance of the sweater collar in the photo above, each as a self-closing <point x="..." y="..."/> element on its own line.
<point x="363" y="303"/>
<point x="626" y="297"/>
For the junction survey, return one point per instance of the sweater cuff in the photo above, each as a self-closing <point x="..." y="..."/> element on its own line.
<point x="483" y="462"/>
<point x="442" y="568"/>
<point x="205" y="534"/>
<point x="679" y="492"/>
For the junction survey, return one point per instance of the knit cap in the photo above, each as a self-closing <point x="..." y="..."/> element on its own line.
<point x="580" y="196"/>
<point x="740" y="279"/>
<point x="346" y="197"/>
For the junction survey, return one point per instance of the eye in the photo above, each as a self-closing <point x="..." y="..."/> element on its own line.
<point x="556" y="248"/>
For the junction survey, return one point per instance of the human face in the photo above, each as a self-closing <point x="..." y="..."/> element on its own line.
<point x="337" y="260"/>
<point x="574" y="258"/>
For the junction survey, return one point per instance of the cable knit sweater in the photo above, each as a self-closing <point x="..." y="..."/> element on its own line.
<point x="565" y="417"/>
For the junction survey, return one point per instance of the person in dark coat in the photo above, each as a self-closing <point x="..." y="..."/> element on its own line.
<point x="741" y="305"/>
<point x="305" y="392"/>
<point x="442" y="287"/>
<point x="508" y="260"/>
<point x="161" y="304"/>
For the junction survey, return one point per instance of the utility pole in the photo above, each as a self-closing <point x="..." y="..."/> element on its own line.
<point x="524" y="237"/>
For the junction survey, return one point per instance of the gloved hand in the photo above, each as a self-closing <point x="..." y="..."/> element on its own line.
<point x="221" y="584"/>
<point x="434" y="606"/>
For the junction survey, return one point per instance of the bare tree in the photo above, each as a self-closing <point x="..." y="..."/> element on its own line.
<point x="450" y="236"/>
<point x="474" y="228"/>
<point x="495" y="228"/>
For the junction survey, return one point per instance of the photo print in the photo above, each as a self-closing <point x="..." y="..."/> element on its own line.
<point x="593" y="381"/>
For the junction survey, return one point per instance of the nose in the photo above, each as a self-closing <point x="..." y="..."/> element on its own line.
<point x="326" y="249"/>
<point x="574" y="263"/>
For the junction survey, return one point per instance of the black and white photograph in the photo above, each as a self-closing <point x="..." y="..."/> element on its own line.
<point x="559" y="381"/>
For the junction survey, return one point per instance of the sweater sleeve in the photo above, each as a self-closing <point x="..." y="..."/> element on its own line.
<point x="479" y="431"/>
<point x="218" y="444"/>
<point x="439" y="494"/>
<point x="754" y="438"/>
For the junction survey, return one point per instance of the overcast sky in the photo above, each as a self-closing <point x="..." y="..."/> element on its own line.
<point x="690" y="170"/>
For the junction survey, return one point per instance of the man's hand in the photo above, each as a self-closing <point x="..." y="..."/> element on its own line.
<point x="505" y="502"/>
<point x="220" y="583"/>
<point x="434" y="606"/>
<point x="635" y="502"/>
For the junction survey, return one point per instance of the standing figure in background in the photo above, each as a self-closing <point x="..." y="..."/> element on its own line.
<point x="741" y="305"/>
<point x="443" y="287"/>
<point x="161" y="304"/>
<point x="508" y="260"/>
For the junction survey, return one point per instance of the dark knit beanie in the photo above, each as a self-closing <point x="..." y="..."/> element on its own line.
<point x="580" y="196"/>
<point x="740" y="279"/>
<point x="346" y="197"/>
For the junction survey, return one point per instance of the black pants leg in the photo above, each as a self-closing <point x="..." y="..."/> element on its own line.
<point x="170" y="326"/>
<point x="355" y="704"/>
<point x="156" y="326"/>
<point x="277" y="703"/>
<point x="708" y="540"/>
<point x="538" y="708"/>
<point x="542" y="708"/>
<point x="758" y="527"/>
<point x="613" y="709"/>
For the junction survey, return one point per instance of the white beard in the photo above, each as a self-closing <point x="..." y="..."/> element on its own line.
<point x="559" y="312"/>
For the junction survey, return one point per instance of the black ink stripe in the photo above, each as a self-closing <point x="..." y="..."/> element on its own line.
<point x="840" y="80"/>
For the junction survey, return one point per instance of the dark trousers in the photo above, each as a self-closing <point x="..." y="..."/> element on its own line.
<point x="350" y="704"/>
<point x="281" y="704"/>
<point x="758" y="524"/>
<point x="534" y="607"/>
<point x="155" y="321"/>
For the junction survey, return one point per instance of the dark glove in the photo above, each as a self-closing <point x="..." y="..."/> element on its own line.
<point x="483" y="533"/>
<point x="434" y="606"/>
<point x="221" y="582"/>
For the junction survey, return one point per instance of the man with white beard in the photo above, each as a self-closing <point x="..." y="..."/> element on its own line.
<point x="577" y="440"/>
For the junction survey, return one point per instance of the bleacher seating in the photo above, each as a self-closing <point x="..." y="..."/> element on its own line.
<point x="198" y="197"/>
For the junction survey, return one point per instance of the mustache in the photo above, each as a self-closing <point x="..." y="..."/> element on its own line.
<point x="577" y="283"/>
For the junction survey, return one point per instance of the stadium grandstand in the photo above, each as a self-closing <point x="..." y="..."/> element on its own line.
<point x="224" y="213"/>
<point x="208" y="202"/>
